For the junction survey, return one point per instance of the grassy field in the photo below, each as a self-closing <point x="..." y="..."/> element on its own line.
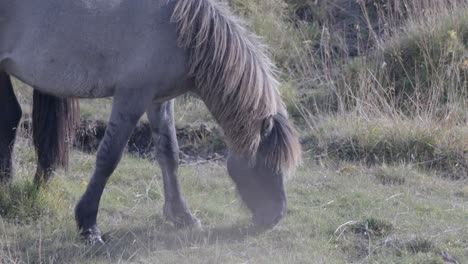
<point x="339" y="212"/>
<point x="379" y="93"/>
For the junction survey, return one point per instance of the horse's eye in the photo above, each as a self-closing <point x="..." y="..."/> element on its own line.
<point x="267" y="126"/>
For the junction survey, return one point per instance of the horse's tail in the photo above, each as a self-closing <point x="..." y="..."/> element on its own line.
<point x="237" y="81"/>
<point x="54" y="122"/>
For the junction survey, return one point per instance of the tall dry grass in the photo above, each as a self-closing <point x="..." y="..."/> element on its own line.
<point x="397" y="94"/>
<point x="417" y="64"/>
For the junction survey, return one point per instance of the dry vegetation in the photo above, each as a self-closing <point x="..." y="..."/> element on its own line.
<point x="379" y="92"/>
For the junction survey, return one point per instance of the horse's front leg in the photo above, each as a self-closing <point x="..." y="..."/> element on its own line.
<point x="126" y="111"/>
<point x="161" y="117"/>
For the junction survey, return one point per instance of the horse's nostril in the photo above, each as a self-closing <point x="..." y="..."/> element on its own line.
<point x="266" y="222"/>
<point x="269" y="216"/>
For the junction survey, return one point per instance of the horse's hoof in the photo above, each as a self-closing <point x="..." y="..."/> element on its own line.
<point x="182" y="219"/>
<point x="189" y="222"/>
<point x="92" y="236"/>
<point x="194" y="225"/>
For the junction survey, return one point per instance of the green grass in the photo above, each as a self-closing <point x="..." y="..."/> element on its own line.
<point x="396" y="140"/>
<point x="21" y="202"/>
<point x="337" y="214"/>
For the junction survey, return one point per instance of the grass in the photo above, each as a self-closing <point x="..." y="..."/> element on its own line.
<point x="21" y="202"/>
<point x="389" y="140"/>
<point x="413" y="60"/>
<point x="333" y="217"/>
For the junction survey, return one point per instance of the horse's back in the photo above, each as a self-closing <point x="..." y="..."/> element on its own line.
<point x="90" y="46"/>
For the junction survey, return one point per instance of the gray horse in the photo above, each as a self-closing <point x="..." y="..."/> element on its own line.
<point x="145" y="53"/>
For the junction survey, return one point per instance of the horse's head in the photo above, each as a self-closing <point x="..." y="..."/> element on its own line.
<point x="261" y="189"/>
<point x="237" y="81"/>
<point x="261" y="185"/>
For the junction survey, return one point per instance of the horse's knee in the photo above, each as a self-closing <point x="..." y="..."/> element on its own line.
<point x="110" y="151"/>
<point x="167" y="149"/>
<point x="261" y="189"/>
<point x="161" y="117"/>
<point x="107" y="159"/>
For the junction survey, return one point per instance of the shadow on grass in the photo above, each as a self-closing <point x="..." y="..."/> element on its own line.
<point x="126" y="244"/>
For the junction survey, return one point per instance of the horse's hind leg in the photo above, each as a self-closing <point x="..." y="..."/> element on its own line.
<point x="10" y="115"/>
<point x="126" y="111"/>
<point x="161" y="117"/>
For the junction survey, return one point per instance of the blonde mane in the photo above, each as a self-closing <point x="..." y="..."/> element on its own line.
<point x="233" y="74"/>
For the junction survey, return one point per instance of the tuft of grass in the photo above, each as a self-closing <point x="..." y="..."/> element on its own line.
<point x="420" y="245"/>
<point x="348" y="169"/>
<point x="270" y="19"/>
<point x="463" y="193"/>
<point x="372" y="227"/>
<point x="417" y="69"/>
<point x="391" y="140"/>
<point x="21" y="202"/>
<point x="391" y="175"/>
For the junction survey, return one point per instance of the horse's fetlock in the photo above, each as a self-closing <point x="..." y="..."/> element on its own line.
<point x="85" y="215"/>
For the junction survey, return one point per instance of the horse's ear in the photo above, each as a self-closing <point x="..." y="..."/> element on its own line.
<point x="267" y="126"/>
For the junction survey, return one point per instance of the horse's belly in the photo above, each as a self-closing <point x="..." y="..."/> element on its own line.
<point x="65" y="80"/>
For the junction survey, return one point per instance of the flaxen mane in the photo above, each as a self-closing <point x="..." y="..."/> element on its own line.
<point x="236" y="80"/>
